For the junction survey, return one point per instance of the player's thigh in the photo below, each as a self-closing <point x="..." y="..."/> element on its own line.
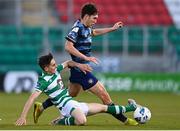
<point x="95" y="108"/>
<point x="74" y="89"/>
<point x="72" y="105"/>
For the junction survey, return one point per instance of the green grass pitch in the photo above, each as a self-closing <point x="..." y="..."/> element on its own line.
<point x="165" y="108"/>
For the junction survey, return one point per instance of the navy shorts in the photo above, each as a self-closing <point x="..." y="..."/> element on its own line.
<point x="87" y="80"/>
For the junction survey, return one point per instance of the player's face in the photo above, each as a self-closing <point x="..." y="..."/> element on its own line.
<point x="51" y="69"/>
<point x="92" y="19"/>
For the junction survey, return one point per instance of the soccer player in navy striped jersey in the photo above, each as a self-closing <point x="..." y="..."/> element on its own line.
<point x="73" y="112"/>
<point x="78" y="45"/>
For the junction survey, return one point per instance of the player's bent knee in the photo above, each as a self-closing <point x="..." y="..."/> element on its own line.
<point x="81" y="121"/>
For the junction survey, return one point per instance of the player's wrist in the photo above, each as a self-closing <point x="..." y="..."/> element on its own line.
<point x="85" y="58"/>
<point x="22" y="117"/>
<point x="78" y="65"/>
<point x="113" y="29"/>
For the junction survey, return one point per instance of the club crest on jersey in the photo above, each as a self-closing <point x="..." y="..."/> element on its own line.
<point x="90" y="81"/>
<point x="50" y="80"/>
<point x="75" y="29"/>
<point x="60" y="83"/>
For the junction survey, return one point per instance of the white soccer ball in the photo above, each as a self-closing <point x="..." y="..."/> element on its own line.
<point x="142" y="115"/>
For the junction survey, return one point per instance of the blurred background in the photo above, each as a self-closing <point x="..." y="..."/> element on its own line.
<point x="149" y="42"/>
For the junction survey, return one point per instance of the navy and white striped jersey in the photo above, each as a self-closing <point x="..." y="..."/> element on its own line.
<point x="81" y="36"/>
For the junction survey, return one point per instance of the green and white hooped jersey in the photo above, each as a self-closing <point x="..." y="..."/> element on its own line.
<point x="52" y="86"/>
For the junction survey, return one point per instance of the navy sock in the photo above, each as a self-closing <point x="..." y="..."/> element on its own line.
<point x="47" y="103"/>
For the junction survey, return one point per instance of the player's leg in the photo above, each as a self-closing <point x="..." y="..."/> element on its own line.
<point x="73" y="114"/>
<point x="74" y="85"/>
<point x="120" y="117"/>
<point x="99" y="90"/>
<point x="94" y="108"/>
<point x="77" y="118"/>
<point x="88" y="81"/>
<point x="74" y="89"/>
<point x="47" y="103"/>
<point x="114" y="110"/>
<point x="76" y="112"/>
<point x="124" y="119"/>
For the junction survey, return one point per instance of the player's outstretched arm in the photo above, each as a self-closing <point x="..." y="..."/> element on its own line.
<point x="22" y="119"/>
<point x="83" y="67"/>
<point x="69" y="47"/>
<point x="101" y="31"/>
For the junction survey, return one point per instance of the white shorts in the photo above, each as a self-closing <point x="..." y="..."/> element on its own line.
<point x="66" y="110"/>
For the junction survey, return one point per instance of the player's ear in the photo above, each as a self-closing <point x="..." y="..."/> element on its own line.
<point x="46" y="69"/>
<point x="86" y="16"/>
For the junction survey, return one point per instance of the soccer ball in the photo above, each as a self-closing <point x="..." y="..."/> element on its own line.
<point x="142" y="115"/>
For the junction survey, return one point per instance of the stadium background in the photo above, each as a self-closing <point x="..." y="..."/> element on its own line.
<point x="143" y="56"/>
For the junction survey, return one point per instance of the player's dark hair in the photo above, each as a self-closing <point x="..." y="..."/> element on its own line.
<point x="45" y="60"/>
<point x="89" y="9"/>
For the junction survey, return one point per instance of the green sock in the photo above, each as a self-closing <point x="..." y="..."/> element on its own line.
<point x="67" y="121"/>
<point x="120" y="109"/>
<point x="130" y="108"/>
<point x="115" y="109"/>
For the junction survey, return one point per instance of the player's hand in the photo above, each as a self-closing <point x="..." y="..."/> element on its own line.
<point x="84" y="68"/>
<point x="21" y="121"/>
<point x="92" y="59"/>
<point x="117" y="25"/>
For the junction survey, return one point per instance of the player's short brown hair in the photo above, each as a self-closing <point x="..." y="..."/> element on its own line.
<point x="89" y="9"/>
<point x="45" y="60"/>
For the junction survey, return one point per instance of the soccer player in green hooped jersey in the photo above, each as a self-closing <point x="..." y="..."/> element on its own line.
<point x="73" y="112"/>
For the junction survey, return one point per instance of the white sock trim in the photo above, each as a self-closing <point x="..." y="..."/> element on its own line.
<point x="117" y="109"/>
<point x="68" y="122"/>
<point x="123" y="109"/>
<point x="65" y="121"/>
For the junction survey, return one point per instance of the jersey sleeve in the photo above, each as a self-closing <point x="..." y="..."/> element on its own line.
<point x="41" y="85"/>
<point x="73" y="34"/>
<point x="60" y="68"/>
